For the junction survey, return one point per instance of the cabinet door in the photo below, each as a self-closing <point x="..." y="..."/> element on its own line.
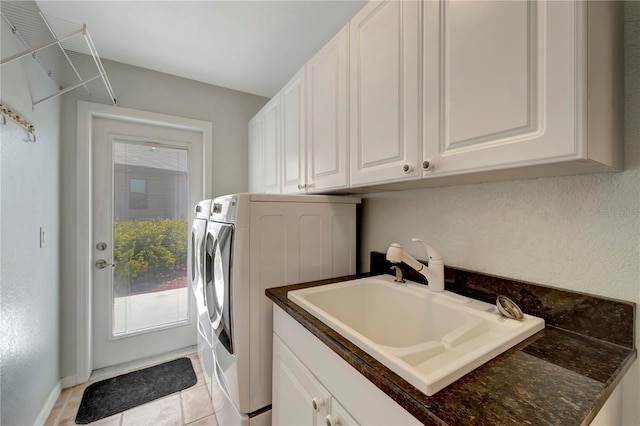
<point x="256" y="157"/>
<point x="385" y="69"/>
<point x="293" y="134"/>
<point x="339" y="416"/>
<point x="501" y="83"/>
<point x="298" y="398"/>
<point x="271" y="153"/>
<point x="327" y="104"/>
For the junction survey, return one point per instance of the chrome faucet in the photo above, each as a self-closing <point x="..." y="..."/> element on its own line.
<point x="434" y="273"/>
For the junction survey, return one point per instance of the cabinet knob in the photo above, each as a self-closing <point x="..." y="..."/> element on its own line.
<point x="407" y="168"/>
<point x="300" y="186"/>
<point x="332" y="420"/>
<point x="427" y="165"/>
<point x="317" y="403"/>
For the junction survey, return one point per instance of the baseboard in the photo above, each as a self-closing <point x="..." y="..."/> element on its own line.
<point x="48" y="405"/>
<point x="126" y="367"/>
<point x="69" y="381"/>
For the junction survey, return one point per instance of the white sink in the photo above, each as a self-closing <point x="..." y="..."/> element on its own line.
<point x="429" y="339"/>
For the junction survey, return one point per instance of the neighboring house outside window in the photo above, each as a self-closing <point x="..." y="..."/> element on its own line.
<point x="138" y="194"/>
<point x="150" y="184"/>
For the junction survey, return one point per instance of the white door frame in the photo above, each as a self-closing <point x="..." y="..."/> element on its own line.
<point x="87" y="111"/>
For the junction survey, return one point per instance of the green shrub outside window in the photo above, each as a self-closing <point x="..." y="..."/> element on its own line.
<point x="148" y="251"/>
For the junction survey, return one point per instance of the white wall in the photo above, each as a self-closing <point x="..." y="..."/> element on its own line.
<point x="146" y="90"/>
<point x="580" y="232"/>
<point x="29" y="275"/>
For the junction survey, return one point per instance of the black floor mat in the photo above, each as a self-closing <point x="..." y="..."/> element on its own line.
<point x="111" y="396"/>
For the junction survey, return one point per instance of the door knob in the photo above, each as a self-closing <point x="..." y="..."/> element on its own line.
<point x="101" y="246"/>
<point x="101" y="264"/>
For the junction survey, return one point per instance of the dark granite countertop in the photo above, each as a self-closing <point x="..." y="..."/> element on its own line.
<point x="556" y="377"/>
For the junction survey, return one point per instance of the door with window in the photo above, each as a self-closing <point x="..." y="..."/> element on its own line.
<point x="145" y="181"/>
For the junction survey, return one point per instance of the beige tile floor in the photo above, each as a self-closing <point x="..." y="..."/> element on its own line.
<point x="191" y="406"/>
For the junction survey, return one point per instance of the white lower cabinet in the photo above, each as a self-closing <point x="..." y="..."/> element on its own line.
<point x="339" y="416"/>
<point x="312" y="385"/>
<point x="611" y="412"/>
<point x="300" y="399"/>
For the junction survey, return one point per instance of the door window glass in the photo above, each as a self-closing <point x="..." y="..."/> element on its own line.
<point x="150" y="233"/>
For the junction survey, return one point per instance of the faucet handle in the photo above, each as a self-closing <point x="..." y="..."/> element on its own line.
<point x="431" y="252"/>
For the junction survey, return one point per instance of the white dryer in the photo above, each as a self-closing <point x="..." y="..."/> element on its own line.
<point x="254" y="242"/>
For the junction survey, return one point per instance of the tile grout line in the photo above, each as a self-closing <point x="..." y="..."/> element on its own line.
<point x="63" y="408"/>
<point x="56" y="420"/>
<point x="182" y="419"/>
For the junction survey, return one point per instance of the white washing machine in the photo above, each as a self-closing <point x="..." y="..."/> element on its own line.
<point x="254" y="242"/>
<point x="205" y="334"/>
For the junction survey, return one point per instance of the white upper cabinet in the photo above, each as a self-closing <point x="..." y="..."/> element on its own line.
<point x="327" y="113"/>
<point x="256" y="158"/>
<point x="506" y="85"/>
<point x="385" y="71"/>
<point x="294" y="164"/>
<point x="429" y="93"/>
<point x="271" y="145"/>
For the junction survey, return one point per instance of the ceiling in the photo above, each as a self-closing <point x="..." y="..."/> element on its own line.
<point x="251" y="46"/>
